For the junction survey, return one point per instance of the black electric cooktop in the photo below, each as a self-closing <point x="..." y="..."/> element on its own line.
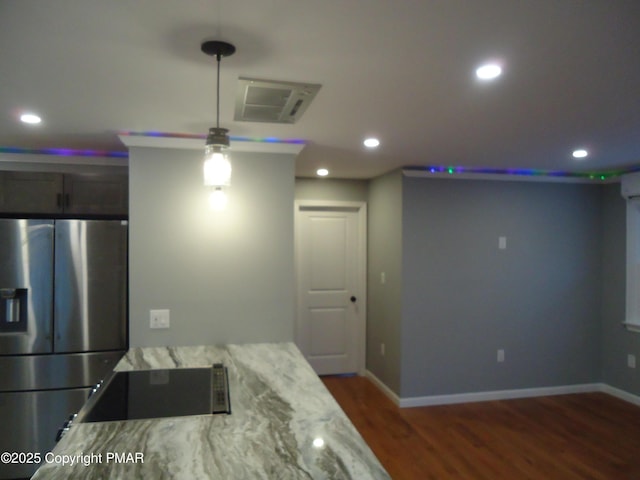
<point x="175" y="392"/>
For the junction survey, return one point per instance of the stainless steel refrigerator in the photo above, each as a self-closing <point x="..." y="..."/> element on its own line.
<point x="63" y="324"/>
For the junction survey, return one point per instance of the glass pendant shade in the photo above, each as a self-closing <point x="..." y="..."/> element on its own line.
<point x="217" y="167"/>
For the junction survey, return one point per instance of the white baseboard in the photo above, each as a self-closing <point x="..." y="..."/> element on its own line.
<point x="496" y="395"/>
<point x="499" y="394"/>
<point x="621" y="394"/>
<point x="382" y="386"/>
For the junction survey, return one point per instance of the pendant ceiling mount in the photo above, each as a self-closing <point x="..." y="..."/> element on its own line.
<point x="218" y="49"/>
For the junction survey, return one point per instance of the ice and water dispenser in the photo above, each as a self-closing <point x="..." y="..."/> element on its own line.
<point x="13" y="309"/>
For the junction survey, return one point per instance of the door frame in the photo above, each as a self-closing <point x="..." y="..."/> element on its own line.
<point x="361" y="209"/>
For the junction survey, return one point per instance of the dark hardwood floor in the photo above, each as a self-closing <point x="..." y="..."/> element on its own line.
<point x="567" y="437"/>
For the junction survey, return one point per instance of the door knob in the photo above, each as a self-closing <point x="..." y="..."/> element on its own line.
<point x="353" y="299"/>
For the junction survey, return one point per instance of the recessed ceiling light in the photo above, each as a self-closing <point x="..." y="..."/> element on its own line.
<point x="322" y="172"/>
<point x="371" y="142"/>
<point x="30" y="118"/>
<point x="580" y="153"/>
<point x="489" y="71"/>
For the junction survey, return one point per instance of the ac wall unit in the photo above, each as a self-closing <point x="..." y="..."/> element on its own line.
<point x="272" y="101"/>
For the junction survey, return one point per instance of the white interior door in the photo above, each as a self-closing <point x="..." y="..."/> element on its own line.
<point x="331" y="304"/>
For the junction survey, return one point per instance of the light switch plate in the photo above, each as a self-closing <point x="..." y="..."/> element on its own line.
<point x="159" y="319"/>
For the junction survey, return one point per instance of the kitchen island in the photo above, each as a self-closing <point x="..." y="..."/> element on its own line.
<point x="284" y="425"/>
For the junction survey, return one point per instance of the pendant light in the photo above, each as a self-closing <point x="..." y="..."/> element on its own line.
<point x="217" y="167"/>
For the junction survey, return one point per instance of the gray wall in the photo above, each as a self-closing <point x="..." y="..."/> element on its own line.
<point x="331" y="189"/>
<point x="463" y="298"/>
<point x="227" y="277"/>
<point x="450" y="300"/>
<point x="616" y="340"/>
<point x="384" y="301"/>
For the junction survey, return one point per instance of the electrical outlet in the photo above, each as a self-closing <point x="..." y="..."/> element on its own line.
<point x="159" y="319"/>
<point x="383" y="278"/>
<point x="382" y="349"/>
<point x="500" y="356"/>
<point x="502" y="243"/>
<point x="631" y="361"/>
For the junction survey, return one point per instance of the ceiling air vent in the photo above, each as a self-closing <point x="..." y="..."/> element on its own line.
<point x="272" y="101"/>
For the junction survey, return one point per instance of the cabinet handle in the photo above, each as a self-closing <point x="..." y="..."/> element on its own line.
<point x="59" y="200"/>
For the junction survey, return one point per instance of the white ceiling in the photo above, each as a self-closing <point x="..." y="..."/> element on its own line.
<point x="402" y="70"/>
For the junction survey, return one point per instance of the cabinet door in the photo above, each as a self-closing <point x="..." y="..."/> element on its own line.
<point x="98" y="194"/>
<point x="30" y="192"/>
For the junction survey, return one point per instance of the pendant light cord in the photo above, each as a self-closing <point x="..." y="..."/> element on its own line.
<point x="218" y="94"/>
<point x="217" y="136"/>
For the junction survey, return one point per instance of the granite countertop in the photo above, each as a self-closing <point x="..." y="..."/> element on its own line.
<point x="279" y="407"/>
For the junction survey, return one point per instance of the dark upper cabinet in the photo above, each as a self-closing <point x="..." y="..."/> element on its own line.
<point x="31" y="192"/>
<point x="41" y="193"/>
<point x="98" y="194"/>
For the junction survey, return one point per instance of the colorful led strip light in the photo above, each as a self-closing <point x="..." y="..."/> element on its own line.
<point x="435" y="169"/>
<point x="65" y="152"/>
<point x="523" y="172"/>
<point x="69" y="152"/>
<point x="297" y="141"/>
